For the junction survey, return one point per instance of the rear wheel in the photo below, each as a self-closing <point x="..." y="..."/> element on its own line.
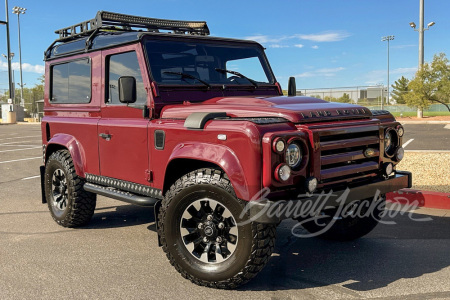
<point x="69" y="204"/>
<point x="200" y="230"/>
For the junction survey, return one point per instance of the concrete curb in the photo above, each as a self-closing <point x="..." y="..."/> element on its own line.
<point x="422" y="198"/>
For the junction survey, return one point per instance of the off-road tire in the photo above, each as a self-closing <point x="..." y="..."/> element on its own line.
<point x="348" y="228"/>
<point x="254" y="247"/>
<point x="80" y="204"/>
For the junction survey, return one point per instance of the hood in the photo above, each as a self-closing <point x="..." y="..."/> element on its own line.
<point x="295" y="109"/>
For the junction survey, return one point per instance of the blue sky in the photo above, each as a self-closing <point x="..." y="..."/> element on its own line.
<point x="324" y="43"/>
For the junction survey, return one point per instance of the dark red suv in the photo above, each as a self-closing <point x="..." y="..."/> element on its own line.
<point x="157" y="113"/>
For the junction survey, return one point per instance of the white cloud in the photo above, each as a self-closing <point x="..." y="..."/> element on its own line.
<point x="26" y="67"/>
<point x="379" y="76"/>
<point x="327" y="36"/>
<point x="402" y="46"/>
<point x="278" y="46"/>
<point x="263" y="39"/>
<point x="325" y="72"/>
<point x="409" y="71"/>
<point x="315" y="47"/>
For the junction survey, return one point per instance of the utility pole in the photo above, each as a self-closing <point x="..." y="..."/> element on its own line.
<point x="8" y="46"/>
<point x="421" y="31"/>
<point x="18" y="11"/>
<point x="383" y="39"/>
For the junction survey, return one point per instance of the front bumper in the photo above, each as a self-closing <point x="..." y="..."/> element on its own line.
<point x="270" y="212"/>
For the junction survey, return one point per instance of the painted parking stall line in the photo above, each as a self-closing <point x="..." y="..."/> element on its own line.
<point x="21" y="137"/>
<point x="22" y="159"/>
<point x="32" y="177"/>
<point x="11" y="150"/>
<point x="407" y="143"/>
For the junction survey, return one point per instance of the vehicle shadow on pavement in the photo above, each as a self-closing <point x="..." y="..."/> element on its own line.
<point x="120" y="216"/>
<point x="408" y="249"/>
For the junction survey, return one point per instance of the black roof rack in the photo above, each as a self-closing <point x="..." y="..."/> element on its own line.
<point x="108" y="20"/>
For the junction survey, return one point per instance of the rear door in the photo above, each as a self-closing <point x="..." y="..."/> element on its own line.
<point x="123" y="138"/>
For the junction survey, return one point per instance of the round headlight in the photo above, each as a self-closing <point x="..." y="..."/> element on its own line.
<point x="390" y="141"/>
<point x="279" y="145"/>
<point x="293" y="155"/>
<point x="283" y="172"/>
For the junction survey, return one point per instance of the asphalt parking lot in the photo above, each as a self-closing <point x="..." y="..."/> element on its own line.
<point x="434" y="137"/>
<point x="117" y="257"/>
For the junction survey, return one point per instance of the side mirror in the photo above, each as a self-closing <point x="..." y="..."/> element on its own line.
<point x="127" y="89"/>
<point x="292" y="88"/>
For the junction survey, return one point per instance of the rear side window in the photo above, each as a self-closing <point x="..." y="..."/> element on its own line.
<point x="124" y="64"/>
<point x="71" y="82"/>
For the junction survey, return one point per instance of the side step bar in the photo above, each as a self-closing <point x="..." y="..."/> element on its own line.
<point x="120" y="195"/>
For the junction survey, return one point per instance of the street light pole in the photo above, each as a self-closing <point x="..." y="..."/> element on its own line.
<point x="20" y="10"/>
<point x="421" y="31"/>
<point x="383" y="39"/>
<point x="8" y="46"/>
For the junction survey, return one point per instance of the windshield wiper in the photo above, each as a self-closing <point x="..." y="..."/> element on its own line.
<point x="186" y="75"/>
<point x="238" y="75"/>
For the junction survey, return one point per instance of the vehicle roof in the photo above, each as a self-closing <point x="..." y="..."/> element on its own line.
<point x="108" y="39"/>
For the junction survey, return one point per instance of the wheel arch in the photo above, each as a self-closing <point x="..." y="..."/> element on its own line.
<point x="187" y="158"/>
<point x="67" y="142"/>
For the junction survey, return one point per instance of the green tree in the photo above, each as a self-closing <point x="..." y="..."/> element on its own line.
<point x="344" y="99"/>
<point x="441" y="67"/>
<point x="400" y="89"/>
<point x="330" y="99"/>
<point x="431" y="84"/>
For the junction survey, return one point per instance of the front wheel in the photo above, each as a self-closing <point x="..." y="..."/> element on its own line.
<point x="349" y="223"/>
<point x="200" y="230"/>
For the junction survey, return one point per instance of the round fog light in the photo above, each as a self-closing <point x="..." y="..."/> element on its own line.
<point x="388" y="169"/>
<point x="400" y="153"/>
<point x="311" y="184"/>
<point x="400" y="131"/>
<point x="283" y="172"/>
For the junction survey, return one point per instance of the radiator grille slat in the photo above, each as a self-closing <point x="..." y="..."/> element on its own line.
<point x="349" y="169"/>
<point x="342" y="153"/>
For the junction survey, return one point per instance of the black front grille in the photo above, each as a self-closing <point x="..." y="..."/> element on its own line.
<point x="342" y="153"/>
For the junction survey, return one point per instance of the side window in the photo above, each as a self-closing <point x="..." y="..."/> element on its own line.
<point x="124" y="64"/>
<point x="71" y="82"/>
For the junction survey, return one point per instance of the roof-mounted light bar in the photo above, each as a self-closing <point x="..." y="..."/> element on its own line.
<point x="106" y="19"/>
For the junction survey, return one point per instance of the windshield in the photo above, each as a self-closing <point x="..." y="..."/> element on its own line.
<point x="200" y="62"/>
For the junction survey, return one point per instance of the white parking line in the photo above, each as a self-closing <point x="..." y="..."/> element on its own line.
<point x="20" y="149"/>
<point x="32" y="177"/>
<point x="11" y="143"/>
<point x="3" y="145"/>
<point x="407" y="143"/>
<point x="10" y="161"/>
<point x="21" y="137"/>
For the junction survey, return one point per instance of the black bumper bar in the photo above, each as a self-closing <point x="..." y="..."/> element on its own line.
<point x="267" y="211"/>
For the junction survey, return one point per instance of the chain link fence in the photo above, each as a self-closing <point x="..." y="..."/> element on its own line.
<point x="369" y="96"/>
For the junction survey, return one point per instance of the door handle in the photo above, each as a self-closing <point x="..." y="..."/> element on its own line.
<point x="105" y="136"/>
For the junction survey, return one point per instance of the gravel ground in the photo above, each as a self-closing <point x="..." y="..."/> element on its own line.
<point x="431" y="171"/>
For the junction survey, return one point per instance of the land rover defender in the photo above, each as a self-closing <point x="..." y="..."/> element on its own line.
<point x="158" y="113"/>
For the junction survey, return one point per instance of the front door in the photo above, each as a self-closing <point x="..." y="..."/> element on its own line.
<point x="123" y="137"/>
